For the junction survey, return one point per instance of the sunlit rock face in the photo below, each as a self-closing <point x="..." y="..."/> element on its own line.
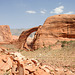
<point x="54" y="27"/>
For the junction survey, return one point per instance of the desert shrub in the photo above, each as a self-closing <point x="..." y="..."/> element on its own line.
<point x="63" y="43"/>
<point x="70" y="41"/>
<point x="66" y="43"/>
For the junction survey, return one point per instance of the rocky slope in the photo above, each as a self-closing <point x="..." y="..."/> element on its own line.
<point x="13" y="63"/>
<point x="54" y="27"/>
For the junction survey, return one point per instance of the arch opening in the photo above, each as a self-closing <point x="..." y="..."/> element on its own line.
<point x="22" y="41"/>
<point x="30" y="39"/>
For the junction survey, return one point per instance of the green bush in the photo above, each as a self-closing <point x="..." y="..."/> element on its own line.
<point x="63" y="43"/>
<point x="66" y="42"/>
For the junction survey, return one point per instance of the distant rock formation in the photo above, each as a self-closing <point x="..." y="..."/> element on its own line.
<point x="5" y="34"/>
<point x="54" y="27"/>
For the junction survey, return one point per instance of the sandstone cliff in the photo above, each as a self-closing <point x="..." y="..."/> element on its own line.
<point x="55" y="26"/>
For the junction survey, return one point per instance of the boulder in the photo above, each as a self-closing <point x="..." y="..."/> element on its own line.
<point x="54" y="27"/>
<point x="5" y="34"/>
<point x="14" y="63"/>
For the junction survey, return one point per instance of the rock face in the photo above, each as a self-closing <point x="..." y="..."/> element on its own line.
<point x="55" y="26"/>
<point x="5" y="34"/>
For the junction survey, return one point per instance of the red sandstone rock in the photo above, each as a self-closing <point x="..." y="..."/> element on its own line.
<point x="19" y="65"/>
<point x="5" y="34"/>
<point x="53" y="28"/>
<point x="15" y="37"/>
<point x="5" y="62"/>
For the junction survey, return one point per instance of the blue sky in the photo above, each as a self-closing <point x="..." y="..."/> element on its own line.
<point x="31" y="13"/>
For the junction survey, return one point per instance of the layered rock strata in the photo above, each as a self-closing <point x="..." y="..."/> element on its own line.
<point x="54" y="27"/>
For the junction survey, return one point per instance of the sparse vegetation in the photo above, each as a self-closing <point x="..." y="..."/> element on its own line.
<point x="60" y="57"/>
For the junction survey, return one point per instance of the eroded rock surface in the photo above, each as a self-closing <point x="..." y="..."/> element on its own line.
<point x="54" y="27"/>
<point x="13" y="63"/>
<point x="5" y="34"/>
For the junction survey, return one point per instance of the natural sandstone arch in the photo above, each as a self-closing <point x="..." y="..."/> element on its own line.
<point x="23" y="37"/>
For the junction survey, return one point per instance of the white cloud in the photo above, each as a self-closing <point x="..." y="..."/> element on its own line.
<point x="71" y="12"/>
<point x="43" y="11"/>
<point x="58" y="10"/>
<point x="31" y="12"/>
